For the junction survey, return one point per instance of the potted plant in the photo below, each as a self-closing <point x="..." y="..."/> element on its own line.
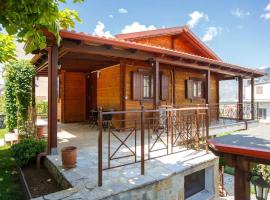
<point x="69" y="156"/>
<point x="40" y="131"/>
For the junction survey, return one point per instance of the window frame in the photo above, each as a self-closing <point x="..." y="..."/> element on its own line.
<point x="198" y="83"/>
<point x="259" y="89"/>
<point x="151" y="85"/>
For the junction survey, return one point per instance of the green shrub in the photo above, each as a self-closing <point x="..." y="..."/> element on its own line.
<point x="26" y="151"/>
<point x="2" y="105"/>
<point x="42" y="107"/>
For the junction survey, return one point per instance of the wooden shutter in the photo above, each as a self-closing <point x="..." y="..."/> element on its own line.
<point x="164" y="87"/>
<point x="137" y="86"/>
<point x="203" y="89"/>
<point x="189" y="89"/>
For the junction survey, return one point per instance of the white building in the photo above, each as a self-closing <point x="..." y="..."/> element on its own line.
<point x="262" y="97"/>
<point x="42" y="89"/>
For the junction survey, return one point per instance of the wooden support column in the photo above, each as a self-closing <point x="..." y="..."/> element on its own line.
<point x="252" y="98"/>
<point x="174" y="87"/>
<point x="122" y="90"/>
<point x="218" y="97"/>
<point x="241" y="179"/>
<point x="122" y="84"/>
<point x="208" y="87"/>
<point x="240" y="98"/>
<point x="155" y="65"/>
<point x="52" y="98"/>
<point x="208" y="98"/>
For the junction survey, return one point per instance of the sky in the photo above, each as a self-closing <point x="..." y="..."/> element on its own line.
<point x="238" y="31"/>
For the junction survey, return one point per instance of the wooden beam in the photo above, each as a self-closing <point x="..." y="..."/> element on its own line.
<point x="52" y="98"/>
<point x="155" y="65"/>
<point x="101" y="50"/>
<point x="241" y="179"/>
<point x="208" y="87"/>
<point x="122" y="85"/>
<point x="174" y="86"/>
<point x="252" y="98"/>
<point x="197" y="66"/>
<point x="240" y="98"/>
<point x="218" y="97"/>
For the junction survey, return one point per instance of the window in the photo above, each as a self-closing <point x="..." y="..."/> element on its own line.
<point x="197" y="89"/>
<point x="143" y="86"/>
<point x="194" y="88"/>
<point x="194" y="183"/>
<point x="262" y="113"/>
<point x="259" y="89"/>
<point x="147" y="86"/>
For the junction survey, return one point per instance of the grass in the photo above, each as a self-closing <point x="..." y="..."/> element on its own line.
<point x="10" y="187"/>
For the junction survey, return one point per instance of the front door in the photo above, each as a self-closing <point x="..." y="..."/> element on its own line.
<point x="74" y="97"/>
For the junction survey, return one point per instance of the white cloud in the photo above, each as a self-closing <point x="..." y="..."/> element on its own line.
<point x="211" y="33"/>
<point x="265" y="16"/>
<point x="111" y="16"/>
<point x="267" y="8"/>
<point x="195" y="18"/>
<point x="240" y="13"/>
<point x="122" y="11"/>
<point x="136" y="27"/>
<point x="100" y="30"/>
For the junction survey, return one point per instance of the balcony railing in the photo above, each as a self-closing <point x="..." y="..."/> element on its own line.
<point x="235" y="111"/>
<point x="128" y="137"/>
<point x="139" y="135"/>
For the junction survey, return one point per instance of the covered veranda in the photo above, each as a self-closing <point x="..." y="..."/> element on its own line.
<point x="92" y="53"/>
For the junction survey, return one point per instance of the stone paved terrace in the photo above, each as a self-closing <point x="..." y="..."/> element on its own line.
<point x="163" y="175"/>
<point x="128" y="179"/>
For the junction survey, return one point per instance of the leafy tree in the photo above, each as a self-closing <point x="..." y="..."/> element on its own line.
<point x="27" y="19"/>
<point x="7" y="48"/>
<point x="18" y="94"/>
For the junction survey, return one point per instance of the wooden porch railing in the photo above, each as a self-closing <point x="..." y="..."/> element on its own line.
<point x="166" y="131"/>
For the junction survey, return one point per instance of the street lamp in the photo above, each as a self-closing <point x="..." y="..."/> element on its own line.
<point x="261" y="188"/>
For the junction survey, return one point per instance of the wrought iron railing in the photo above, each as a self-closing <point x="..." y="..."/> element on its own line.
<point x="139" y="135"/>
<point x="234" y="110"/>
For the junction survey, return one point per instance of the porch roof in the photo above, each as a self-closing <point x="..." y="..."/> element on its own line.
<point x="253" y="144"/>
<point x="118" y="48"/>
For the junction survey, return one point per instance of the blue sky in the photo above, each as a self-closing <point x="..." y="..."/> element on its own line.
<point x="237" y="30"/>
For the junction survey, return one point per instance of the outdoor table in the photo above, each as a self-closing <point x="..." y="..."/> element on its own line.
<point x="106" y="119"/>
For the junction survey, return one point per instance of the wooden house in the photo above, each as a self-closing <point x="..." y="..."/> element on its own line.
<point x="163" y="67"/>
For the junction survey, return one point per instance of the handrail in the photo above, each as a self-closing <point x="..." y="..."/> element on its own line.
<point x="167" y="122"/>
<point x="152" y="111"/>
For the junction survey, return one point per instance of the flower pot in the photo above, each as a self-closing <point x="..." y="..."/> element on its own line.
<point x="69" y="156"/>
<point x="40" y="131"/>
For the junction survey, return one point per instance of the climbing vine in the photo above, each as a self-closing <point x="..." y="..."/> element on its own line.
<point x="18" y="94"/>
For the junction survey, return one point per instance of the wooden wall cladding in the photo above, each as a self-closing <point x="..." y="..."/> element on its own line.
<point x="178" y="43"/>
<point x="108" y="88"/>
<point x="74" y="97"/>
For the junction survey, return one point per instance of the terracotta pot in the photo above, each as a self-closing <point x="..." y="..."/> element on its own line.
<point x="69" y="156"/>
<point x="40" y="131"/>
